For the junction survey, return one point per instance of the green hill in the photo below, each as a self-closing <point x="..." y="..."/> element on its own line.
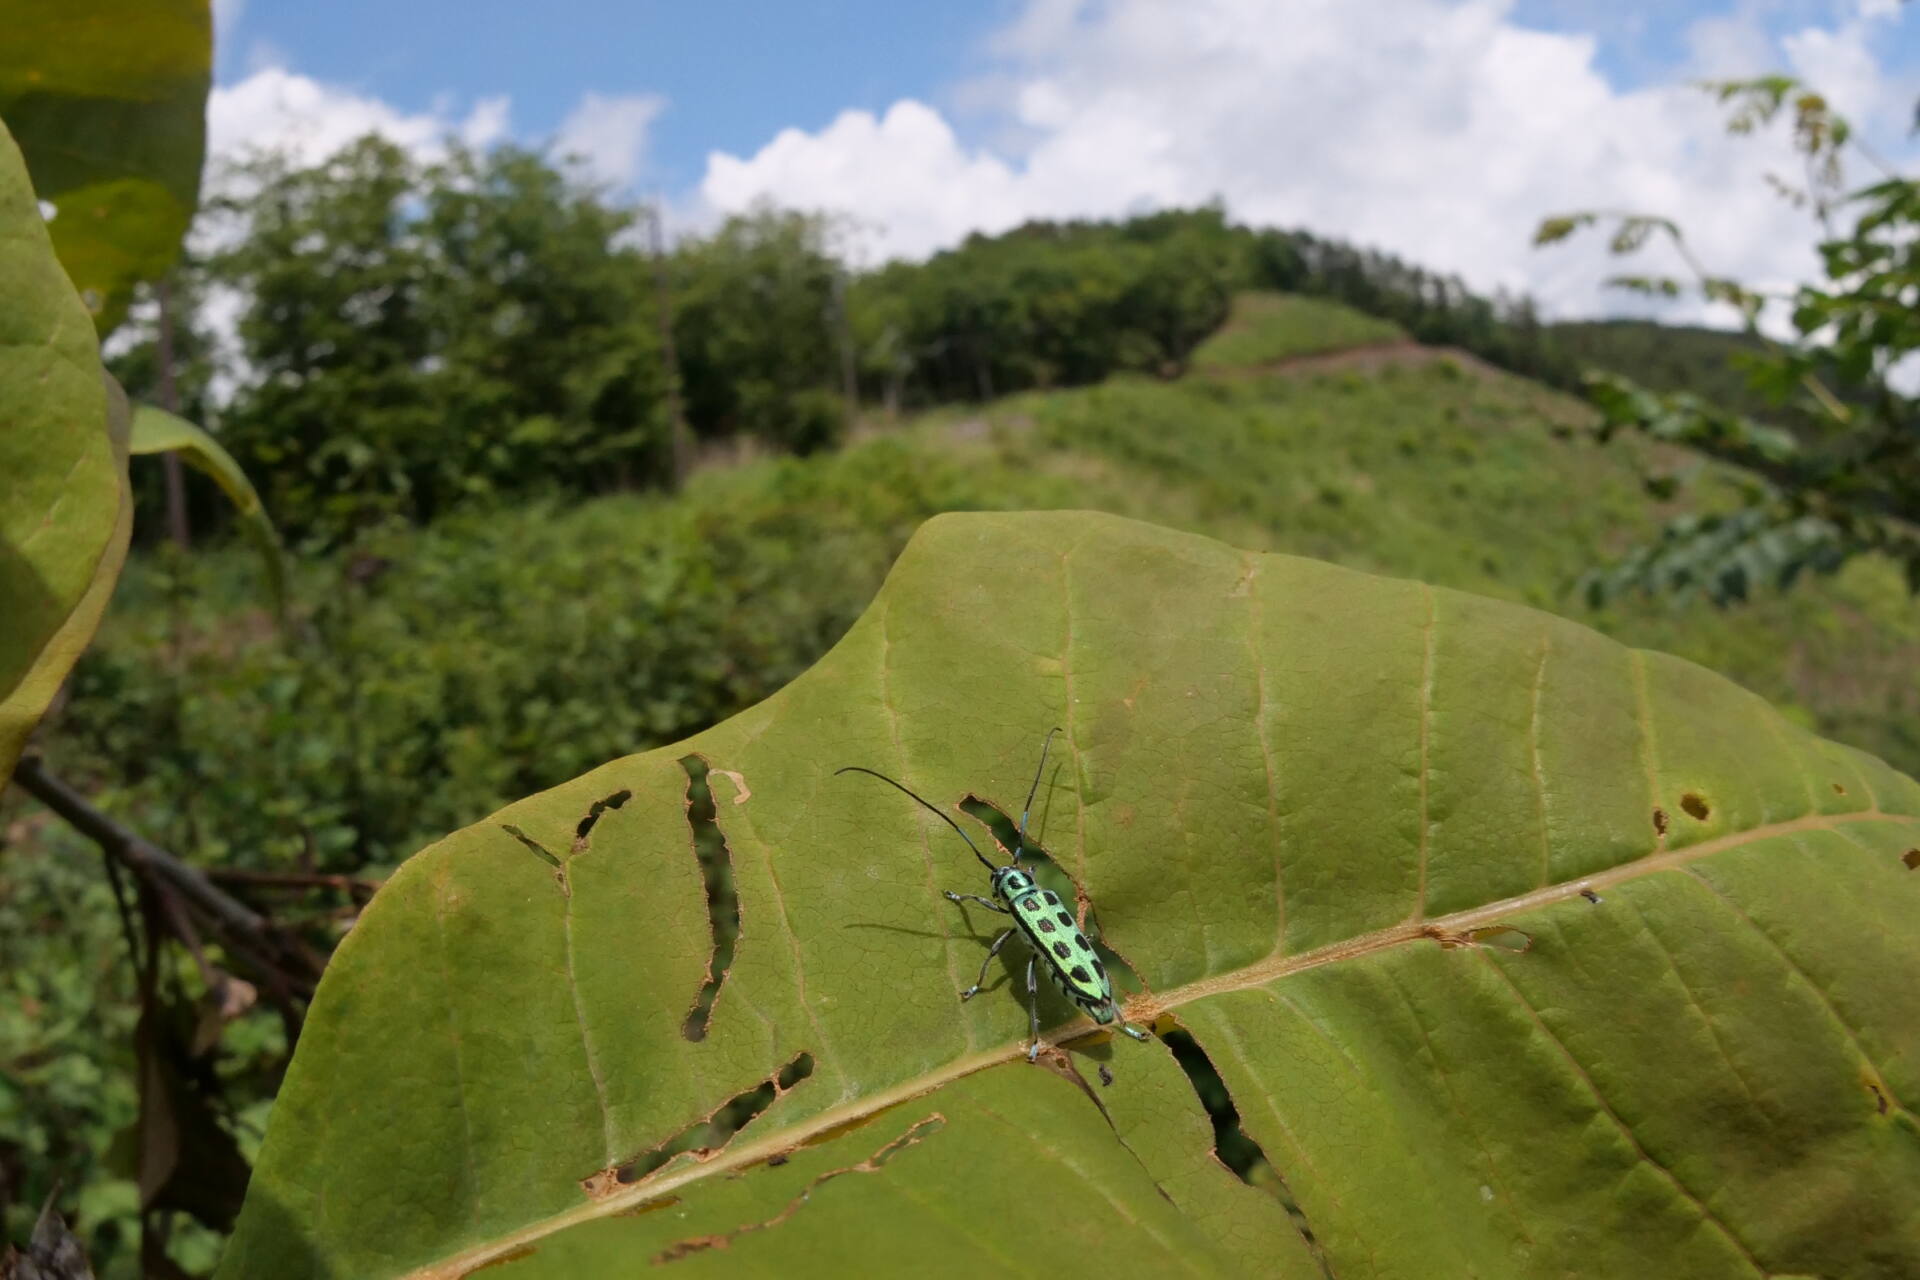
<point x="496" y="653"/>
<point x="1667" y="358"/>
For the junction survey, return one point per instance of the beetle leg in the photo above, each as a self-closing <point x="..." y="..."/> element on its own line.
<point x="988" y="903"/>
<point x="1113" y="1009"/>
<point x="992" y="951"/>
<point x="1033" y="1010"/>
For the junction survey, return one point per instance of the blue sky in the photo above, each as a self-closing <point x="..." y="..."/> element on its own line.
<point x="1440" y="129"/>
<point x="733" y="74"/>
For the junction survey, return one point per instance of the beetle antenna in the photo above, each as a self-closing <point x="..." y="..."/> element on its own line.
<point x="854" y="768"/>
<point x="1032" y="792"/>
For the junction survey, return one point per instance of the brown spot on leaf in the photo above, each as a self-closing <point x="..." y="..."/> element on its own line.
<point x="1839" y="790"/>
<point x="1912" y="858"/>
<point x="1696" y="806"/>
<point x="1659" y="821"/>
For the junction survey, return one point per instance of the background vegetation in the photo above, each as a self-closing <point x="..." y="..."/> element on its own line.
<point x="559" y="497"/>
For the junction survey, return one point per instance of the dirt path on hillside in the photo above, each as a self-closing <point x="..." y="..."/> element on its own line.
<point x="1370" y="358"/>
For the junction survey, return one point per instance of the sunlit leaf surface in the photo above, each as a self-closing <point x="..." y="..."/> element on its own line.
<point x="1519" y="953"/>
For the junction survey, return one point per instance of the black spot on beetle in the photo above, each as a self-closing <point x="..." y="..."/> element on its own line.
<point x="1028" y="904"/>
<point x="1080" y="973"/>
<point x="1080" y="940"/>
<point x="1046" y="926"/>
<point x="1060" y="949"/>
<point x="1100" y="968"/>
<point x="1065" y="919"/>
<point x="1051" y="900"/>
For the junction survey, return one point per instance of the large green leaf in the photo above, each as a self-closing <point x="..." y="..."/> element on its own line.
<point x="64" y="512"/>
<point x="108" y="101"/>
<point x="1305" y="802"/>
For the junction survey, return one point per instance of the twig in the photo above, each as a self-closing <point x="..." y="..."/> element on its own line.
<point x="291" y="880"/>
<point x="144" y="857"/>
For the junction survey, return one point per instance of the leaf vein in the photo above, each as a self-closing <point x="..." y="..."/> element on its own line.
<point x="1626" y="1130"/>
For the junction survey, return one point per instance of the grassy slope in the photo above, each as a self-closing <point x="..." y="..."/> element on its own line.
<point x="1267" y="327"/>
<point x="509" y="651"/>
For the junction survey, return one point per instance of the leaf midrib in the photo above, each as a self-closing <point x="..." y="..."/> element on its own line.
<point x="1142" y="1008"/>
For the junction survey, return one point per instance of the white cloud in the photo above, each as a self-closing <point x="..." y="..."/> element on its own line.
<point x="903" y="177"/>
<point x="488" y="122"/>
<point x="274" y="108"/>
<point x="1841" y="65"/>
<point x="609" y="134"/>
<point x="1439" y="131"/>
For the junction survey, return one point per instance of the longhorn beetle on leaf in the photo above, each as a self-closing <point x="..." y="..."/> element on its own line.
<point x="1045" y="925"/>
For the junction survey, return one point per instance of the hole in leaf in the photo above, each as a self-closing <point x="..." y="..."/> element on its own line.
<point x="708" y="1135"/>
<point x="723" y="904"/>
<point x="581" y="832"/>
<point x="1659" y="821"/>
<point x="534" y="847"/>
<point x="1231" y="1144"/>
<point x="1236" y="1150"/>
<point x="1912" y="858"/>
<point x="1006" y="833"/>
<point x="1504" y="937"/>
<point x="1696" y="806"/>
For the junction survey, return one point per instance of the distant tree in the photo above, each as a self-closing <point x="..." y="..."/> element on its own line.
<point x="754" y="327"/>
<point x="539" y="310"/>
<point x="1848" y="481"/>
<point x="334" y="416"/>
<point x="414" y="335"/>
<point x="1053" y="304"/>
